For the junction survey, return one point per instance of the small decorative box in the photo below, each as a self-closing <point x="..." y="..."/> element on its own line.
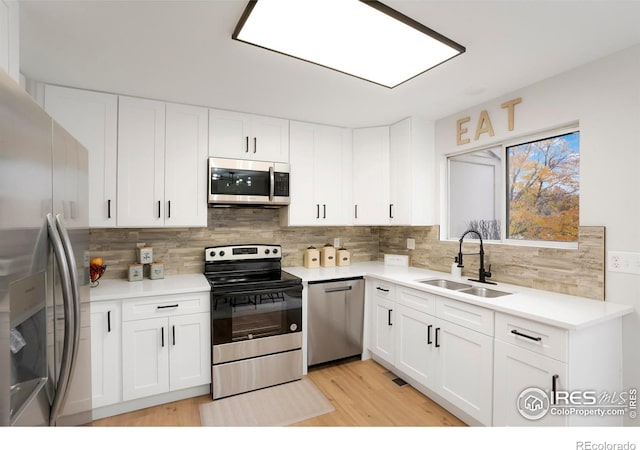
<point x="343" y="257"/>
<point x="145" y="255"/>
<point x="135" y="272"/>
<point x="311" y="258"/>
<point x="328" y="256"/>
<point x="157" y="271"/>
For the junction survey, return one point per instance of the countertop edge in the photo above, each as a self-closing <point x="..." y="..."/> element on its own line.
<point x="120" y="289"/>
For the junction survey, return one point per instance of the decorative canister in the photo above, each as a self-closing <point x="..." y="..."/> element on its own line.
<point x="328" y="256"/>
<point x="145" y="255"/>
<point x="311" y="258"/>
<point x="135" y="272"/>
<point x="343" y="257"/>
<point x="157" y="271"/>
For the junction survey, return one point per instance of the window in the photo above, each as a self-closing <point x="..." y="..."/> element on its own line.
<point x="519" y="191"/>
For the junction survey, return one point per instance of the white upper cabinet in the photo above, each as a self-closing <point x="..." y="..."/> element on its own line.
<point x="141" y="131"/>
<point x="248" y="136"/>
<point x="320" y="169"/>
<point x="185" y="166"/>
<point x="161" y="164"/>
<point x="411" y="195"/>
<point x="9" y="38"/>
<point x="92" y="118"/>
<point x="393" y="174"/>
<point x="371" y="204"/>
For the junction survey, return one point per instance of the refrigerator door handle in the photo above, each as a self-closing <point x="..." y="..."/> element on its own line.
<point x="67" y="349"/>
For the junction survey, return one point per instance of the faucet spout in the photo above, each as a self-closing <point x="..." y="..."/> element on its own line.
<point x="482" y="273"/>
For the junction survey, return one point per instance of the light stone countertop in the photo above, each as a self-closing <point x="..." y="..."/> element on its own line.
<point x="123" y="289"/>
<point x="560" y="310"/>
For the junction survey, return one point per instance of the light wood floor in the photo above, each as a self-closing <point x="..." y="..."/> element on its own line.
<point x="362" y="392"/>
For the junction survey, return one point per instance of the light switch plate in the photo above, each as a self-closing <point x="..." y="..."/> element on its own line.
<point x="411" y="244"/>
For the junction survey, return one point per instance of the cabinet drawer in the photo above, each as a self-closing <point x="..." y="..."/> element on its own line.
<point x="381" y="289"/>
<point x="534" y="336"/>
<point x="165" y="305"/>
<point x="466" y="315"/>
<point x="418" y="300"/>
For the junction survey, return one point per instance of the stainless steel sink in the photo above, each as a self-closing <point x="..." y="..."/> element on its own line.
<point x="484" y="292"/>
<point x="447" y="284"/>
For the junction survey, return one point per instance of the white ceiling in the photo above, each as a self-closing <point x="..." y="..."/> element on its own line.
<point x="182" y="51"/>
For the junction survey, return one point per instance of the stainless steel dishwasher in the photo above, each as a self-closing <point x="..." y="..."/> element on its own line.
<point x="335" y="318"/>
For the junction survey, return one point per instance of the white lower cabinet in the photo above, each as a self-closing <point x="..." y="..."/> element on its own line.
<point x="167" y="351"/>
<point x="517" y="369"/>
<point x="453" y="361"/>
<point x="106" y="353"/>
<point x="383" y="333"/>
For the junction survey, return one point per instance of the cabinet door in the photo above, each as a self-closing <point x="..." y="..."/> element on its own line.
<point x="320" y="190"/>
<point x="189" y="350"/>
<point x="400" y="173"/>
<point x="92" y="118"/>
<point x="145" y="358"/>
<point x="415" y="344"/>
<point x="269" y="139"/>
<point x="185" y="166"/>
<point x="371" y="176"/>
<point x="106" y="353"/>
<point x="228" y="134"/>
<point x="465" y="369"/>
<point x="516" y="369"/>
<point x="382" y="341"/>
<point x="141" y="137"/>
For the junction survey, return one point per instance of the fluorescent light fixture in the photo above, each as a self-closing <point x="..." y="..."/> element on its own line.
<point x="366" y="39"/>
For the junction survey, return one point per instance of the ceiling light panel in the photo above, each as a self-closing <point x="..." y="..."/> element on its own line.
<point x="365" y="39"/>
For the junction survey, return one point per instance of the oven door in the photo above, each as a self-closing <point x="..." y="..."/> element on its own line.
<point x="238" y="315"/>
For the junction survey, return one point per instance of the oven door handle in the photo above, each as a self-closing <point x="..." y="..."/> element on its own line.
<point x="253" y="291"/>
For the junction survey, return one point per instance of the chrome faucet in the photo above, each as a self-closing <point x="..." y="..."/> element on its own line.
<point x="482" y="274"/>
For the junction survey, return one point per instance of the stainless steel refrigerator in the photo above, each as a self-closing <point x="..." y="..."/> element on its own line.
<point x="45" y="363"/>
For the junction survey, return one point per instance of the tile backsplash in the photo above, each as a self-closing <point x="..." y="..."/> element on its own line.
<point x="576" y="272"/>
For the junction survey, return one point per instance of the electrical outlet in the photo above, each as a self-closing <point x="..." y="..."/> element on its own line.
<point x="411" y="244"/>
<point x="623" y="262"/>
<point x="336" y="242"/>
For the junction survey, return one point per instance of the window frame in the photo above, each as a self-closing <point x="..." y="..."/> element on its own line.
<point x="503" y="144"/>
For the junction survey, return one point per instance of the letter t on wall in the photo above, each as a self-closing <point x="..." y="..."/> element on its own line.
<point x="510" y="106"/>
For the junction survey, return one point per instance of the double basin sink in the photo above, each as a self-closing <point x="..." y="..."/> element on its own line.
<point x="465" y="288"/>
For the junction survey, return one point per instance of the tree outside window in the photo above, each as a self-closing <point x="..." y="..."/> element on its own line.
<point x="543" y="189"/>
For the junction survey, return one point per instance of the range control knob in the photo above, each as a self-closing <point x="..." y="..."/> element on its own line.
<point x="275" y="251"/>
<point x="212" y="253"/>
<point x="221" y="253"/>
<point x="266" y="252"/>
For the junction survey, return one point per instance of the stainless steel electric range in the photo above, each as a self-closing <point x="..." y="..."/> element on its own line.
<point x="256" y="319"/>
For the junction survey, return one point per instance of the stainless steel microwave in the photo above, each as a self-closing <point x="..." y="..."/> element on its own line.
<point x="246" y="182"/>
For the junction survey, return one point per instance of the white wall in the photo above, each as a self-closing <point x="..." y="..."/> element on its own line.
<point x="604" y="97"/>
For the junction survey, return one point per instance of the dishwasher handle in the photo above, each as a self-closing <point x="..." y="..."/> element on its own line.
<point x="339" y="289"/>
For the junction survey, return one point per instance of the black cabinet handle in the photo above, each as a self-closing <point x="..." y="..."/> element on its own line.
<point x="173" y="332"/>
<point x="429" y="334"/>
<point x="159" y="206"/>
<point x="517" y="333"/>
<point x="317" y="210"/>
<point x="108" y="321"/>
<point x="356" y="207"/>
<point x="382" y="289"/>
<point x="255" y="144"/>
<point x="324" y="211"/>
<point x="247" y="142"/>
<point x="162" y="332"/>
<point x="554" y="386"/>
<point x="391" y="211"/>
<point x="169" y="208"/>
<point x="167" y="306"/>
<point x="437" y="336"/>
<point x="389" y="317"/>
<point x="108" y="209"/>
